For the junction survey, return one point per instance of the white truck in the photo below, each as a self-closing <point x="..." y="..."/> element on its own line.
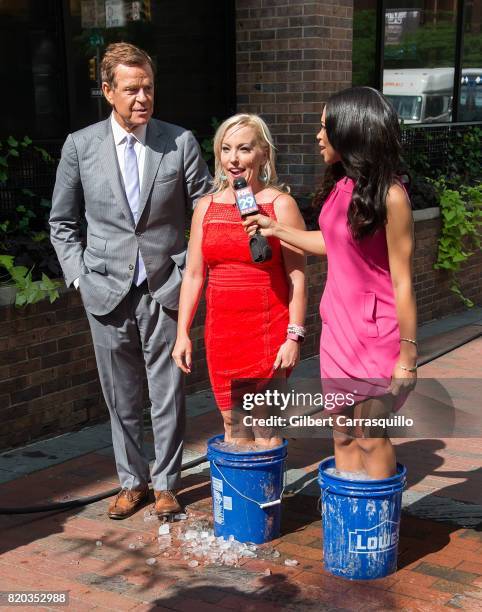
<point x="424" y="95"/>
<point x="420" y="95"/>
<point x="470" y="103"/>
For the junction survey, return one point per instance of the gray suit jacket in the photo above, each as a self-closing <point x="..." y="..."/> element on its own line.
<point x="89" y="183"/>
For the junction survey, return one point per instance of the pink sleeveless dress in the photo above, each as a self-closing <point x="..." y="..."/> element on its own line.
<point x="360" y="337"/>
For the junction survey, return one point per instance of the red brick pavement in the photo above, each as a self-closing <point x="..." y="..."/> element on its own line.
<point x="440" y="564"/>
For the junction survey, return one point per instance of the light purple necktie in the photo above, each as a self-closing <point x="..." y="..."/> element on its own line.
<point x="131" y="179"/>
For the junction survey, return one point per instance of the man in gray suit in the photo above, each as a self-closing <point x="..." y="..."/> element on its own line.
<point x="133" y="178"/>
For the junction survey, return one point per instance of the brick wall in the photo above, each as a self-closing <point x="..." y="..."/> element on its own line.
<point x="434" y="298"/>
<point x="48" y="377"/>
<point x="290" y="57"/>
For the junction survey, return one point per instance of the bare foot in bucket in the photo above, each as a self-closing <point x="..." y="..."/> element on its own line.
<point x="245" y="442"/>
<point x="268" y="442"/>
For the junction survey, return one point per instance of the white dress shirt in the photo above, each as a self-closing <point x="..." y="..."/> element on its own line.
<point x="120" y="140"/>
<point x="120" y="136"/>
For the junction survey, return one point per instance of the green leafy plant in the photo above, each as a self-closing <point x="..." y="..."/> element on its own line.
<point x="28" y="290"/>
<point x="461" y="212"/>
<point x="11" y="147"/>
<point x="26" y="253"/>
<point x="207" y="149"/>
<point x="460" y="163"/>
<point x="30" y="211"/>
<point x="464" y="157"/>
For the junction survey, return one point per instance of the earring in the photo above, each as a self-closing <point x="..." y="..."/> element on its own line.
<point x="222" y="176"/>
<point x="263" y="176"/>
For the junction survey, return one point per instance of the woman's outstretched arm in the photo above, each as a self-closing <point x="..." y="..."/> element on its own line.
<point x="308" y="241"/>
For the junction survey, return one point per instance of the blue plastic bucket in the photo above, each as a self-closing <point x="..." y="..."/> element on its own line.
<point x="361" y="523"/>
<point x="246" y="489"/>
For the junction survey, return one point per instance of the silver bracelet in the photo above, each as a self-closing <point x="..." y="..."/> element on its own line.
<point x="293" y="328"/>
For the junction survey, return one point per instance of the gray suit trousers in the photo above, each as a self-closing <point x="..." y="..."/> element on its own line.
<point x="140" y="331"/>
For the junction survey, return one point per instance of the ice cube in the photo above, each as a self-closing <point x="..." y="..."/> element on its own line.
<point x="98" y="543"/>
<point x="291" y="562"/>
<point x="151" y="561"/>
<point x="230" y="558"/>
<point x="164" y="541"/>
<point x="148" y="517"/>
<point x="164" y="529"/>
<point x="360" y="475"/>
<point x="193" y="563"/>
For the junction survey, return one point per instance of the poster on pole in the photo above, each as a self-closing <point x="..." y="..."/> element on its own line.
<point x="92" y="14"/>
<point x="115" y="14"/>
<point x="136" y="11"/>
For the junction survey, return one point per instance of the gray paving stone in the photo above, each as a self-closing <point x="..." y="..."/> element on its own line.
<point x="468" y="317"/>
<point x="442" y="509"/>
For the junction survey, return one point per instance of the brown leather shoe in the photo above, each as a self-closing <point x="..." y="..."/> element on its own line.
<point x="166" y="503"/>
<point x="127" y="501"/>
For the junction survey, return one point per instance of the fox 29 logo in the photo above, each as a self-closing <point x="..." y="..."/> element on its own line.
<point x="246" y="201"/>
<point x="377" y="539"/>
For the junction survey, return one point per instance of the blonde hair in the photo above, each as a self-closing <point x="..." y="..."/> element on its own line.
<point x="122" y="53"/>
<point x="263" y="139"/>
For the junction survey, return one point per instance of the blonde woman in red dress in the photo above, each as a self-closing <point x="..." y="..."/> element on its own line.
<point x="254" y="311"/>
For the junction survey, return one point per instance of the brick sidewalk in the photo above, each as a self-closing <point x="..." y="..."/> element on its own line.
<point x="440" y="563"/>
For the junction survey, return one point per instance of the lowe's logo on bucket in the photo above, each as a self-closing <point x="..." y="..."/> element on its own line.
<point x="377" y="539"/>
<point x="218" y="500"/>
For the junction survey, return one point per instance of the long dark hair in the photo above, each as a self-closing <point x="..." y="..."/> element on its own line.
<point x="363" y="128"/>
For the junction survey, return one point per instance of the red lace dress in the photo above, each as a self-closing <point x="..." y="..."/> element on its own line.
<point x="246" y="303"/>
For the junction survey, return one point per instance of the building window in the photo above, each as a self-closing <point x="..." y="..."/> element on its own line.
<point x="31" y="70"/>
<point x="419" y="58"/>
<point x="425" y="55"/>
<point x="470" y="94"/>
<point x="364" y="55"/>
<point x="191" y="44"/>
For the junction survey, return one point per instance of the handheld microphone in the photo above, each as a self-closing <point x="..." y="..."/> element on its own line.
<point x="246" y="203"/>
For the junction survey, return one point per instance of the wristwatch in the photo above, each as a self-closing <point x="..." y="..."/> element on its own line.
<point x="294" y="337"/>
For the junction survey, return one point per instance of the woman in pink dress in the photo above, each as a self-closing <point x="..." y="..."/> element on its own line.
<point x="368" y="306"/>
